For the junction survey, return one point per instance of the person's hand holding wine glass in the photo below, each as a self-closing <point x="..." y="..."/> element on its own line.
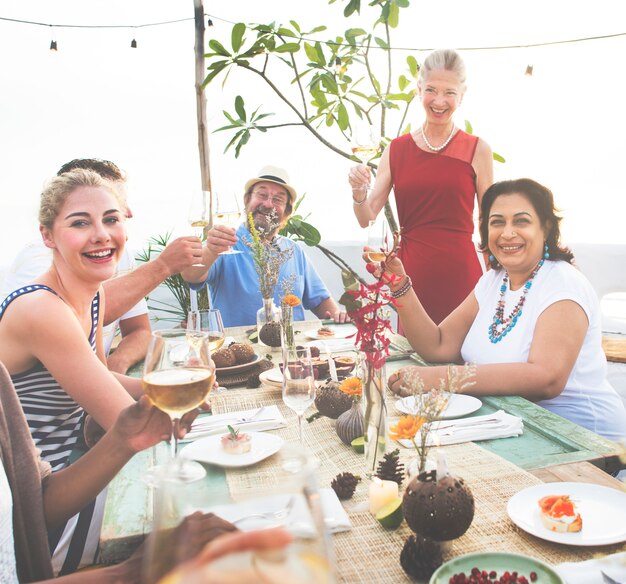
<point x="227" y="213"/>
<point x="177" y="377"/>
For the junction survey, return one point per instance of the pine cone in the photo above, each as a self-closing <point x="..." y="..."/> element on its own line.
<point x="253" y="380"/>
<point x="270" y="334"/>
<point x="344" y="484"/>
<point x="390" y="468"/>
<point x="420" y="557"/>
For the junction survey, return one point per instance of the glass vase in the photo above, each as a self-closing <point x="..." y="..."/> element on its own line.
<point x="268" y="324"/>
<point x="287" y="328"/>
<point x="372" y="374"/>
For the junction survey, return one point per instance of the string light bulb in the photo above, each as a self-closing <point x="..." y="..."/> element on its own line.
<point x="133" y="44"/>
<point x="210" y="22"/>
<point x="53" y="45"/>
<point x="529" y="70"/>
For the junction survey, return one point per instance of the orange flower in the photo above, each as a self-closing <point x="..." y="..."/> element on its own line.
<point x="352" y="386"/>
<point x="291" y="300"/>
<point x="407" y="427"/>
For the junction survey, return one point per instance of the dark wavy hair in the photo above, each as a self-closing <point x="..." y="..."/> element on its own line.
<point x="105" y="168"/>
<point x="541" y="199"/>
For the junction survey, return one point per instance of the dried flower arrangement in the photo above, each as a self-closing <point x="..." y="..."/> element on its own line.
<point x="430" y="405"/>
<point x="287" y="303"/>
<point x="268" y="257"/>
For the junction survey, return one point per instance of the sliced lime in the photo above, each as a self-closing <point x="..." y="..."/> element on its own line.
<point x="390" y="515"/>
<point x="358" y="444"/>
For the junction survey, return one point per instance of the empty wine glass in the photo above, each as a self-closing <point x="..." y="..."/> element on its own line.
<point x="298" y="381"/>
<point x="227" y="212"/>
<point x="379" y="239"/>
<point x="287" y="497"/>
<point x="208" y="321"/>
<point x="177" y="377"/>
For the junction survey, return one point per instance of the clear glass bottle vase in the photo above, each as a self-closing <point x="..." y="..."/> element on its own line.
<point x="374" y="404"/>
<point x="268" y="324"/>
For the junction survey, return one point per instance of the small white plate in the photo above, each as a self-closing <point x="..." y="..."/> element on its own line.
<point x="210" y="450"/>
<point x="459" y="405"/>
<point x="272" y="377"/>
<point x="238" y="368"/>
<point x="341" y="332"/>
<point x="603" y="511"/>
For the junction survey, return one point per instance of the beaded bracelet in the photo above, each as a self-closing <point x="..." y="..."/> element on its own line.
<point x="354" y="201"/>
<point x="403" y="289"/>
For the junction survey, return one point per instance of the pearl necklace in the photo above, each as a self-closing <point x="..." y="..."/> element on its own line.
<point x="506" y="324"/>
<point x="436" y="148"/>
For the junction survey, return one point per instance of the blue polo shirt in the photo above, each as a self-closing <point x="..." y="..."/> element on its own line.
<point x="234" y="284"/>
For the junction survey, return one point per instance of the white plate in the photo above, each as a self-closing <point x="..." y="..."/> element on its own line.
<point x="210" y="450"/>
<point x="341" y="332"/>
<point x="459" y="405"/>
<point x="239" y="368"/>
<point x="272" y="377"/>
<point x="603" y="511"/>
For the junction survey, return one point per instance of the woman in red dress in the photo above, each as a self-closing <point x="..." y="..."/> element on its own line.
<point x="437" y="173"/>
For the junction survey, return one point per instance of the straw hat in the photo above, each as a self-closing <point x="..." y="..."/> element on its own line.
<point x="276" y="175"/>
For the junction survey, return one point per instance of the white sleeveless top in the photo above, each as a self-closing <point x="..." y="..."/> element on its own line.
<point x="8" y="571"/>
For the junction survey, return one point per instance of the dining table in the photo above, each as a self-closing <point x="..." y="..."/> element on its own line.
<point x="550" y="449"/>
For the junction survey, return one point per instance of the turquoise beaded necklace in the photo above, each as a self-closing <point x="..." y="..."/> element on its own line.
<point x="501" y="326"/>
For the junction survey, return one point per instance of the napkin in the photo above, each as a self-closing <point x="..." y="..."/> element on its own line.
<point x="496" y="425"/>
<point x="266" y="418"/>
<point x="334" y="345"/>
<point x="590" y="572"/>
<point x="298" y="520"/>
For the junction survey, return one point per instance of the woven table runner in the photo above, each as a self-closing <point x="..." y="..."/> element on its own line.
<point x="371" y="554"/>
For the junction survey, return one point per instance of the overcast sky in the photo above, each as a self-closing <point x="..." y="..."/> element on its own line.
<point x="96" y="96"/>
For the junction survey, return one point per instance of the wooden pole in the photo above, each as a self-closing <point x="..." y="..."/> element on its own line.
<point x="203" y="141"/>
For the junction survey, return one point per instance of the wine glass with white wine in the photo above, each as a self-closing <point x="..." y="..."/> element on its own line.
<point x="379" y="239"/>
<point x="227" y="212"/>
<point x="200" y="214"/>
<point x="178" y="375"/>
<point x="298" y="381"/>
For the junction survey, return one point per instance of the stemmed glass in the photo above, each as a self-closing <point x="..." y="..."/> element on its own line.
<point x="177" y="377"/>
<point x="227" y="212"/>
<point x="200" y="214"/>
<point x="210" y="322"/>
<point x="298" y="381"/>
<point x="365" y="143"/>
<point x="378" y="239"/>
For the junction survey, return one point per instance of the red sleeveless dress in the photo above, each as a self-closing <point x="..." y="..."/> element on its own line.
<point x="435" y="194"/>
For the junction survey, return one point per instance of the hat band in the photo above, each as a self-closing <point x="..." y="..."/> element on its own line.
<point x="273" y="178"/>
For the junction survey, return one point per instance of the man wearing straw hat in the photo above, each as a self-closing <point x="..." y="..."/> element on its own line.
<point x="232" y="278"/>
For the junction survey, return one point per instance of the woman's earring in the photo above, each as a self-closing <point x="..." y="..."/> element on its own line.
<point x="546" y="253"/>
<point x="491" y="258"/>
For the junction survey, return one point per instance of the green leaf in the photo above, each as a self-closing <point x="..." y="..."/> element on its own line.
<point x="295" y="25"/>
<point x="350" y="302"/>
<point x="468" y="127"/>
<point x="240" y="108"/>
<point x="349" y="281"/>
<point x="352" y="7"/>
<point x="498" y="158"/>
<point x="413" y="66"/>
<point x="394" y="15"/>
<point x="237" y="36"/>
<point x="283" y="31"/>
<point x="219" y="48"/>
<point x="288" y="48"/>
<point x="343" y="119"/>
<point x="381" y="43"/>
<point x="317" y="29"/>
<point x="408" y="97"/>
<point x="403" y="82"/>
<point x="312" y="54"/>
<point x="217" y="68"/>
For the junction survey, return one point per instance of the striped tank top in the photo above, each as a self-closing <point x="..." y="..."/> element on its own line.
<point x="54" y="418"/>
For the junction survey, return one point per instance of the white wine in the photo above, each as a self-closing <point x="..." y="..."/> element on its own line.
<point x="216" y="340"/>
<point x="178" y="391"/>
<point x="365" y="153"/>
<point x="375" y="256"/>
<point x="199" y="225"/>
<point x="231" y="218"/>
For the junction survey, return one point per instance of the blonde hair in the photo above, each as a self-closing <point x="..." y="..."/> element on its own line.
<point x="443" y="59"/>
<point x="59" y="188"/>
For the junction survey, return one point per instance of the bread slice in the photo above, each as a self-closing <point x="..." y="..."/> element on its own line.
<point x="558" y="514"/>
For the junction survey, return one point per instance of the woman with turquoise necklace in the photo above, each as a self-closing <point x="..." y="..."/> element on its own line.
<point x="532" y="323"/>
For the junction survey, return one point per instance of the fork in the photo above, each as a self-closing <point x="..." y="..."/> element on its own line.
<point x="277" y="514"/>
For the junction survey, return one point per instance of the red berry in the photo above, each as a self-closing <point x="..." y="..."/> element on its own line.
<point x="533" y="576"/>
<point x="371" y="268"/>
<point x="493" y="574"/>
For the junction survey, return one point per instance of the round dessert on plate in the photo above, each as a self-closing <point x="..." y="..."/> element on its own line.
<point x="236" y="442"/>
